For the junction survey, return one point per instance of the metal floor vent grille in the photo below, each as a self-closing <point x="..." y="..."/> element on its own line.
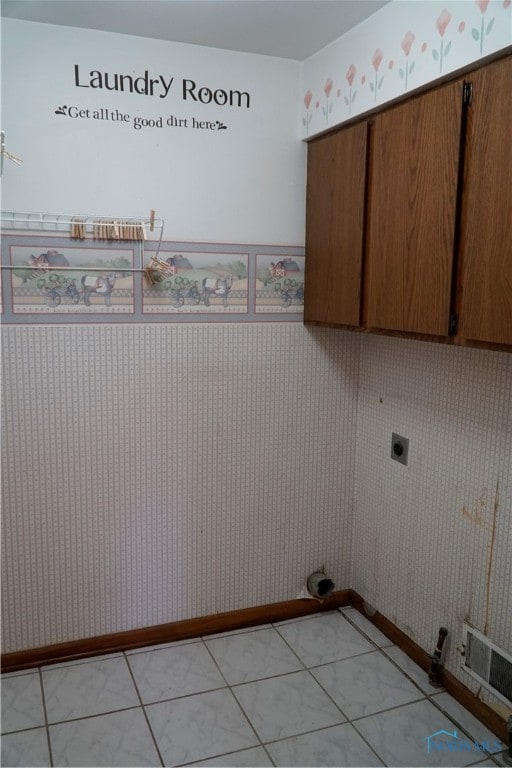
<point x="490" y="665"/>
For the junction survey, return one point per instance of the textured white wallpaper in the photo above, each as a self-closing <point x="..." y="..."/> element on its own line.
<point x="160" y="472"/>
<point x="433" y="540"/>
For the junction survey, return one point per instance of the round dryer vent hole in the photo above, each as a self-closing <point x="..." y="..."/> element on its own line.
<point x="320" y="585"/>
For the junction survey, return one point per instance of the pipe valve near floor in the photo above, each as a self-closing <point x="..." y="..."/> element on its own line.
<point x="434" y="674"/>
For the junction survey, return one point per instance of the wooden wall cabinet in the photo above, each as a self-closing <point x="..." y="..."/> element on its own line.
<point x="335" y="226"/>
<point x="485" y="297"/>
<point x="409" y="216"/>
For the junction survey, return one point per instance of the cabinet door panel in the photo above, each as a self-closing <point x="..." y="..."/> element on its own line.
<point x="413" y="199"/>
<point x="334" y="227"/>
<point x="486" y="228"/>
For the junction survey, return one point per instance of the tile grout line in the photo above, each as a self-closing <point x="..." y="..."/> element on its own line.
<point x="238" y="703"/>
<point x="330" y="697"/>
<point x="360" y="734"/>
<point x="289" y="646"/>
<point x="234" y="632"/>
<point x="393" y="661"/>
<point x="307" y="669"/>
<point x="18" y="673"/>
<point x="339" y="613"/>
<point x="184" y="696"/>
<point x="318" y="730"/>
<point x="77" y="719"/>
<point x="75" y="662"/>
<point x="323" y="689"/>
<point x="348" y="720"/>
<point x="338" y="661"/>
<point x="460" y="727"/>
<point x="130" y="672"/>
<point x="427" y="694"/>
<point x="354" y="722"/>
<point x="389" y="709"/>
<point x="367" y="637"/>
<point x="159" y="646"/>
<point x="269" y="677"/>
<point x="45" y="713"/>
<point x="484" y="754"/>
<point x="430" y="696"/>
<point x="21" y="730"/>
<point x="306" y="617"/>
<point x="484" y="758"/>
<point x="422" y="693"/>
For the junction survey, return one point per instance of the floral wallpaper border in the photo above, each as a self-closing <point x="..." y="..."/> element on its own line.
<point x="406" y="44"/>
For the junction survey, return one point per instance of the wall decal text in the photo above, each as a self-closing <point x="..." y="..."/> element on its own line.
<point x="137" y="122"/>
<point x="160" y="86"/>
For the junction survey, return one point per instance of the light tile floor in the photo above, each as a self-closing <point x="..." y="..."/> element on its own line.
<point x="322" y="690"/>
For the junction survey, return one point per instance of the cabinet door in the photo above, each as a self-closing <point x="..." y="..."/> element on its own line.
<point x="415" y="150"/>
<point x="486" y="227"/>
<point x="334" y="227"/>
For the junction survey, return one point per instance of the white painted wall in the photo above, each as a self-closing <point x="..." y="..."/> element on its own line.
<point x="242" y="184"/>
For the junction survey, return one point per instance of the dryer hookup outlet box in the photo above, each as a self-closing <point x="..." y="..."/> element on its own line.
<point x="399" y="448"/>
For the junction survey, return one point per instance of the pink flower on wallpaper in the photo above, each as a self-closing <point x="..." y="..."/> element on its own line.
<point x="338" y="92"/>
<point x="391" y="64"/>
<point x="328" y="87"/>
<point x="407" y="43"/>
<point x="317" y="105"/>
<point x="363" y="80"/>
<point x="506" y="3"/>
<point x="462" y="26"/>
<point x="351" y="73"/>
<point x="308" y="97"/>
<point x="485" y="27"/>
<point x="376" y="59"/>
<point x="406" y="46"/>
<point x="328" y="107"/>
<point x="442" y="22"/>
<point x="423" y="47"/>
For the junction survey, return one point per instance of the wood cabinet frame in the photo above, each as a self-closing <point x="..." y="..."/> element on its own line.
<point x="459" y="284"/>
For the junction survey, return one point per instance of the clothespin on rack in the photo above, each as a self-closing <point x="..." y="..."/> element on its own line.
<point x="78" y="228"/>
<point x="110" y="229"/>
<point x="156" y="270"/>
<point x="151" y="220"/>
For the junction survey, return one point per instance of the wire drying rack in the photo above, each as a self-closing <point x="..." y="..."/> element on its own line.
<point x="82" y="227"/>
<point x="4" y="153"/>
